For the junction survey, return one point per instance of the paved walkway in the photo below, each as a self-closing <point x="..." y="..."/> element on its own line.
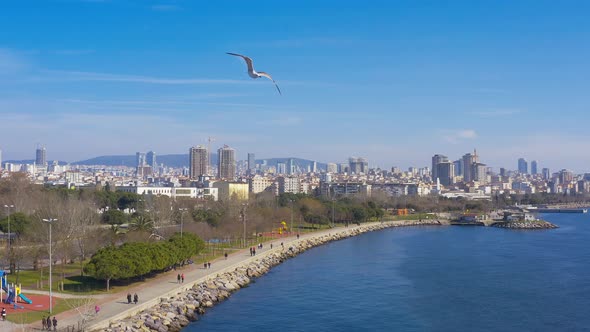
<point x="115" y="305"/>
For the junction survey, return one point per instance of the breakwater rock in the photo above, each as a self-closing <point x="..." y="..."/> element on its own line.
<point x="539" y="224"/>
<point x="175" y="312"/>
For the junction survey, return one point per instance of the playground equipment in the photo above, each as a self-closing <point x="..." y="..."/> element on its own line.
<point x="13" y="292"/>
<point x="283" y="227"/>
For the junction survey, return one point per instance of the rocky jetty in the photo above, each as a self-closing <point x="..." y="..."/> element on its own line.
<point x="175" y="312"/>
<point x="538" y="224"/>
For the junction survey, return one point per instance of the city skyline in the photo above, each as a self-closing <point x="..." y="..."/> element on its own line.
<point x="427" y="78"/>
<point x="199" y="162"/>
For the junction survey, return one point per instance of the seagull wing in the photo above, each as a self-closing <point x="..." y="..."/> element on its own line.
<point x="263" y="74"/>
<point x="247" y="59"/>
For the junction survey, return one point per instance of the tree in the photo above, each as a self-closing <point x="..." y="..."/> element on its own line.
<point x="19" y="222"/>
<point x="114" y="217"/>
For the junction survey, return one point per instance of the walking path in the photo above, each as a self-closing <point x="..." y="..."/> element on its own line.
<point x="115" y="306"/>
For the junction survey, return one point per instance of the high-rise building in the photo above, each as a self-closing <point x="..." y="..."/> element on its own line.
<point x="523" y="166"/>
<point x="566" y="176"/>
<point x="291" y="166"/>
<point x="502" y="172"/>
<point x="358" y="165"/>
<point x="251" y="163"/>
<point x="314" y="166"/>
<point x="468" y="161"/>
<point x="150" y="160"/>
<point x="480" y="173"/>
<point x="458" y="167"/>
<point x="281" y="168"/>
<point x="332" y="168"/>
<point x="41" y="156"/>
<point x="198" y="161"/>
<point x="546" y="174"/>
<point x="445" y="172"/>
<point x="226" y="163"/>
<point x="139" y="159"/>
<point x="437" y="159"/>
<point x="534" y="167"/>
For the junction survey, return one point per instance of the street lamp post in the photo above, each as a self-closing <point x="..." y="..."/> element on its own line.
<point x="244" y="223"/>
<point x="291" y="215"/>
<point x="332" y="212"/>
<point x="182" y="210"/>
<point x="8" y="207"/>
<point x="50" y="221"/>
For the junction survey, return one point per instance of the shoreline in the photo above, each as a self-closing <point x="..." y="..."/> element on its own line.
<point x="174" y="310"/>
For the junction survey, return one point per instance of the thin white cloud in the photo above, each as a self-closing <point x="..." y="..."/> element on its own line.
<point x="72" y="52"/>
<point x="165" y="8"/>
<point x="456" y="136"/>
<point x="497" y="112"/>
<point x="284" y="121"/>
<point x="11" y="61"/>
<point x="107" y="77"/>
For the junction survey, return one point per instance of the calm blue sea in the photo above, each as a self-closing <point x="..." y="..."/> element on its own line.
<point x="424" y="279"/>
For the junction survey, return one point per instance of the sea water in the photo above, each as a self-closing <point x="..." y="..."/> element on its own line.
<point x="447" y="278"/>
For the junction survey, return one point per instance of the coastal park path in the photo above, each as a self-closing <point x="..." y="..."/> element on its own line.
<point x="114" y="307"/>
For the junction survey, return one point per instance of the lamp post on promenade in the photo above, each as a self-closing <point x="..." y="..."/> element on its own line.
<point x="182" y="211"/>
<point x="333" y="212"/>
<point x="243" y="215"/>
<point x="8" y="207"/>
<point x="291" y="215"/>
<point x="50" y="221"/>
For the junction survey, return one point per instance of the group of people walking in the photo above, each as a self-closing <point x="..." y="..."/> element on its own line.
<point x="48" y="323"/>
<point x="207" y="265"/>
<point x="252" y="251"/>
<point x="180" y="278"/>
<point x="135" y="298"/>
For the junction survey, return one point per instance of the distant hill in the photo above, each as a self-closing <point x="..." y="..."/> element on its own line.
<point x="181" y="160"/>
<point x="299" y="162"/>
<point x="32" y="161"/>
<point x="170" y="160"/>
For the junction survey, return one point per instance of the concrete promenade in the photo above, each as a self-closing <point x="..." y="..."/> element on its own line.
<point x="114" y="307"/>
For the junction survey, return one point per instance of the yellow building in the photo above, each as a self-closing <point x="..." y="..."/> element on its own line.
<point x="232" y="190"/>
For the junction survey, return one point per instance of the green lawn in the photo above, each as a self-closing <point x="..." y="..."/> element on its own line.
<point x="61" y="305"/>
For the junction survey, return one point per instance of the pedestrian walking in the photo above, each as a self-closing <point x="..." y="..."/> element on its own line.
<point x="54" y="323"/>
<point x="178" y="279"/>
<point x="225" y="255"/>
<point x="297" y="236"/>
<point x="128" y="298"/>
<point x="271" y="246"/>
<point x="3" y="314"/>
<point x="44" y="322"/>
<point x="250" y="251"/>
<point x="48" y="323"/>
<point x="96" y="309"/>
<point x="209" y="264"/>
<point x="205" y="265"/>
<point x="254" y="252"/>
<point x="182" y="278"/>
<point x="135" y="298"/>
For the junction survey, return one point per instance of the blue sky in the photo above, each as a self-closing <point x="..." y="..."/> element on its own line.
<point x="393" y="81"/>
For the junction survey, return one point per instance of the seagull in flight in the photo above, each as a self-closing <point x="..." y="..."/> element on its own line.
<point x="253" y="73"/>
